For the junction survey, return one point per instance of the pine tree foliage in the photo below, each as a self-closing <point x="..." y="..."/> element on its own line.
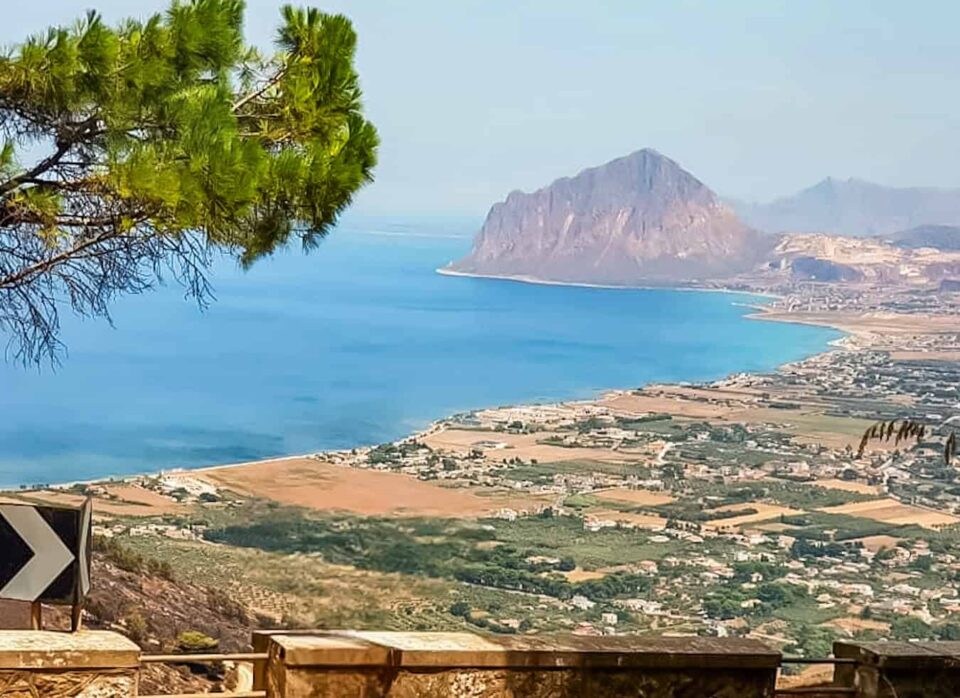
<point x="134" y="153"/>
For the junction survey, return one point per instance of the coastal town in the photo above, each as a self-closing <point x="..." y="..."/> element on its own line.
<point x="741" y="507"/>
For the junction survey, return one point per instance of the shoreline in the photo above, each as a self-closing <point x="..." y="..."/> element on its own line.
<point x="523" y="279"/>
<point x="771" y="315"/>
<point x="760" y="313"/>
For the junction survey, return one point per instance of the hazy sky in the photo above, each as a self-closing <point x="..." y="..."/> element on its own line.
<point x="758" y="98"/>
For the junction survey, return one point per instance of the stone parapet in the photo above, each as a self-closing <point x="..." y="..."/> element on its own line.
<point x="450" y="665"/>
<point x="81" y="665"/>
<point x="900" y="669"/>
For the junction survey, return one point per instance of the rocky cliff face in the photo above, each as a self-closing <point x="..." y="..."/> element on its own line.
<point x="833" y="258"/>
<point x="638" y="219"/>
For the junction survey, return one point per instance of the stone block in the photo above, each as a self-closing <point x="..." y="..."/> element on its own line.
<point x="80" y="665"/>
<point x="454" y="665"/>
<point x="900" y="669"/>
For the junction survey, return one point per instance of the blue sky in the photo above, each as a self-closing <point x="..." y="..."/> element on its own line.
<point x="475" y="98"/>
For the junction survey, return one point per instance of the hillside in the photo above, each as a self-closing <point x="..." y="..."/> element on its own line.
<point x="942" y="237"/>
<point x="833" y="258"/>
<point x="854" y="207"/>
<point x="141" y="598"/>
<point x="638" y="219"/>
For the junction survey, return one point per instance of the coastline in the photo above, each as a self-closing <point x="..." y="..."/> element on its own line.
<point x="443" y="271"/>
<point x="761" y="312"/>
<point x="766" y="314"/>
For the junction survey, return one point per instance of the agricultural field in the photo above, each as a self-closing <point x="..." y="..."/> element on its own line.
<point x="755" y="512"/>
<point x="848" y="486"/>
<point x="310" y="483"/>
<point x="737" y="508"/>
<point x="637" y="497"/>
<point x="626" y="518"/>
<point x="893" y="512"/>
<point x="526" y="447"/>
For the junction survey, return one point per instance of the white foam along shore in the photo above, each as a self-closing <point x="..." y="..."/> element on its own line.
<point x="523" y="279"/>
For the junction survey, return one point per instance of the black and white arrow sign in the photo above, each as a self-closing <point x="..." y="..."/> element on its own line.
<point x="44" y="553"/>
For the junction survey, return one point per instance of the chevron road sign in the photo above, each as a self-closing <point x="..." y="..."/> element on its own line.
<point x="45" y="553"/>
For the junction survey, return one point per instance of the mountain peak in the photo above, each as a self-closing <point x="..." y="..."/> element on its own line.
<point x="637" y="218"/>
<point x="649" y="155"/>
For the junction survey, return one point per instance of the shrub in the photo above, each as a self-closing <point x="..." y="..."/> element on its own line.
<point x="461" y="609"/>
<point x="910" y="628"/>
<point x="193" y="641"/>
<point x="129" y="560"/>
<point x="137" y="629"/>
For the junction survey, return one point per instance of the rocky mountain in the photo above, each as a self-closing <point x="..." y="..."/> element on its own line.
<point x="638" y="219"/>
<point x="855" y="208"/>
<point x="832" y="258"/>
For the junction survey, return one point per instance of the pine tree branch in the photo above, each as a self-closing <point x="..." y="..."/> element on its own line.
<point x="275" y="80"/>
<point x="37" y="170"/>
<point x="24" y="275"/>
<point x="64" y="145"/>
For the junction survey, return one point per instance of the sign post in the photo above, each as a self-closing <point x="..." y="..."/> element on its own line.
<point x="45" y="557"/>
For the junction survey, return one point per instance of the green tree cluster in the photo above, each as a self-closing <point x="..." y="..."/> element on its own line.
<point x="427" y="548"/>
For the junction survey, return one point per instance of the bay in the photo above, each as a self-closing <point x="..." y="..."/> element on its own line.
<point x="358" y="343"/>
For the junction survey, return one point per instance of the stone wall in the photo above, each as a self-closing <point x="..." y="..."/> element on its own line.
<point x="80" y="665"/>
<point x="900" y="669"/>
<point x="333" y="664"/>
<point x="451" y="665"/>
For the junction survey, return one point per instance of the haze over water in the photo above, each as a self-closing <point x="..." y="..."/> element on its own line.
<point x="358" y="343"/>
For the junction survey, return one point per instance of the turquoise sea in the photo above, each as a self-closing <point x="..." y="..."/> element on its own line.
<point x="358" y="343"/>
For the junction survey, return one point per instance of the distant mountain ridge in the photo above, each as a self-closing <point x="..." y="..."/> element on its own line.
<point x="941" y="237"/>
<point x="854" y="207"/>
<point x="637" y="219"/>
